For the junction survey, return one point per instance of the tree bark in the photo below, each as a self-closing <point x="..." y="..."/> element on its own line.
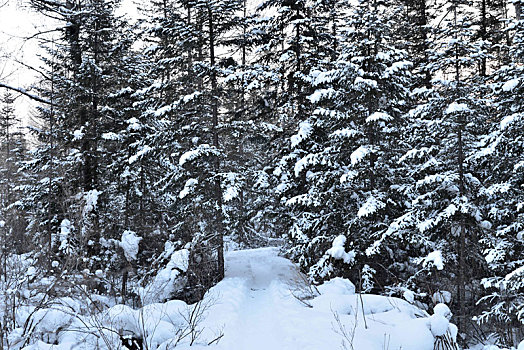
<point x="214" y="106"/>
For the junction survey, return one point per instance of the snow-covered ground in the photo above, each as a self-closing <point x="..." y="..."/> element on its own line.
<point x="260" y="298"/>
<point x="262" y="304"/>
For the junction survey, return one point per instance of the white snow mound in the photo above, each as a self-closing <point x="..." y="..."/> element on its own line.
<point x="255" y="308"/>
<point x="129" y="243"/>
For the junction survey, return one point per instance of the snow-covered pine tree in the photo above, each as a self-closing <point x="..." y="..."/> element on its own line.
<point x="344" y="154"/>
<point x="249" y="133"/>
<point x="13" y="239"/>
<point x="185" y="112"/>
<point x="295" y="37"/>
<point x="47" y="196"/>
<point x="87" y="66"/>
<point x="413" y="35"/>
<point x="443" y="222"/>
<point x="501" y="158"/>
<point x="490" y="34"/>
<point x="128" y="206"/>
<point x="170" y="118"/>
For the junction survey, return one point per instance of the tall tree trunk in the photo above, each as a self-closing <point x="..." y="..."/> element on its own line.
<point x="242" y="229"/>
<point x="462" y="236"/>
<point x="51" y="174"/>
<point x="214" y="106"/>
<point x="424" y="41"/>
<point x="461" y="283"/>
<point x="483" y="34"/>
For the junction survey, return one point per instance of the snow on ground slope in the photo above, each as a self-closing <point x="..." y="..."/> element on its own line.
<point x="271" y="317"/>
<point x="257" y="307"/>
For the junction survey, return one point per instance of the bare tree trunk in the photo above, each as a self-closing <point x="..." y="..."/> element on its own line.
<point x="124" y="284"/>
<point x="51" y="159"/>
<point x="214" y="103"/>
<point x="461" y="282"/>
<point x="483" y="34"/>
<point x="242" y="228"/>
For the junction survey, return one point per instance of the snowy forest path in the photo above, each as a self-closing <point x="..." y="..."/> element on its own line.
<point x="259" y="267"/>
<point x="257" y="307"/>
<point x="268" y="317"/>
<point x="257" y="304"/>
<point x="266" y="277"/>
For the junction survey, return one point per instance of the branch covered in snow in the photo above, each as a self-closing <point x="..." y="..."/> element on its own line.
<point x="27" y="94"/>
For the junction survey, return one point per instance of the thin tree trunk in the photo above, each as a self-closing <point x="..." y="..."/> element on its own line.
<point x="242" y="114"/>
<point x="51" y="158"/>
<point x="424" y="41"/>
<point x="461" y="283"/>
<point x="462" y="238"/>
<point x="124" y="284"/>
<point x="214" y="104"/>
<point x="483" y="35"/>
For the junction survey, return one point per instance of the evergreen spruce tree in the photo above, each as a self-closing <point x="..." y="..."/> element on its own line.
<point x="72" y="205"/>
<point x="500" y="157"/>
<point x="184" y="112"/>
<point x="444" y="219"/>
<point x="12" y="153"/>
<point x="344" y="156"/>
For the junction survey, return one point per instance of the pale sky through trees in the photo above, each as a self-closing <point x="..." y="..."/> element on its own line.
<point x="17" y="23"/>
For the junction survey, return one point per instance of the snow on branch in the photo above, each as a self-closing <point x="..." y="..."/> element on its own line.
<point x="201" y="150"/>
<point x="457" y="108"/>
<point x="359" y="154"/>
<point x="337" y="251"/>
<point x="371" y="206"/>
<point x="435" y="258"/>
<point x="26" y="93"/>
<point x="304" y="131"/>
